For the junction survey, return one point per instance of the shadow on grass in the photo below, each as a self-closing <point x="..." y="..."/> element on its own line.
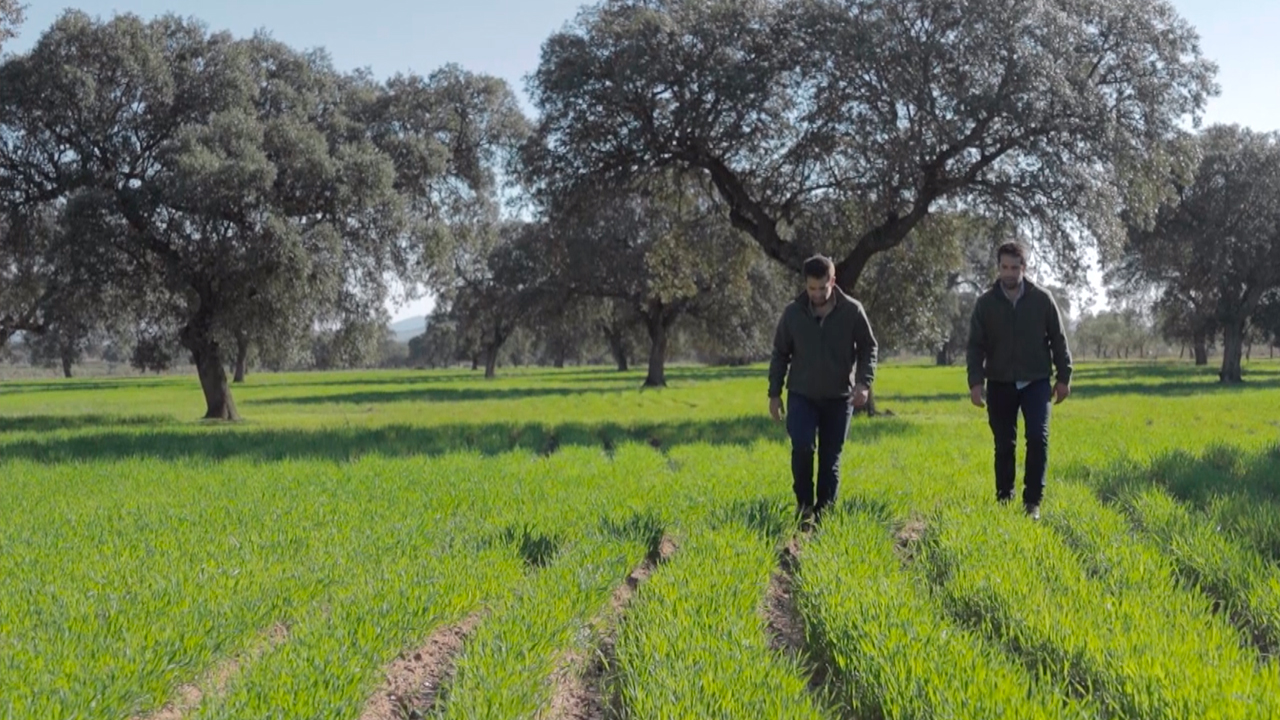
<point x="1240" y="490"/>
<point x="54" y="423"/>
<point x="452" y="388"/>
<point x="16" y="387"/>
<point x="769" y="518"/>
<point x="433" y="394"/>
<point x="536" y="548"/>
<point x="348" y="443"/>
<point x="597" y="375"/>
<point x="1220" y="471"/>
<point x="1158" y="380"/>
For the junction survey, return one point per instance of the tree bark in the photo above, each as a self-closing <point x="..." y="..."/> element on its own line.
<point x="943" y="358"/>
<point x="1200" y="342"/>
<point x="491" y="363"/>
<point x="206" y="352"/>
<point x="1232" y="350"/>
<point x="617" y="348"/>
<point x="242" y="357"/>
<point x="66" y="365"/>
<point x="658" y="336"/>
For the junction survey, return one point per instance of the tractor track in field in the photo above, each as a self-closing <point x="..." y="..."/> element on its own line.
<point x="579" y="682"/>
<point x="414" y="679"/>
<point x="786" y="628"/>
<point x="783" y="619"/>
<point x="216" y="680"/>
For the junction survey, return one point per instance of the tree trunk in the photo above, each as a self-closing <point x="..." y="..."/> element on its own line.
<point x="197" y="337"/>
<point x="560" y="362"/>
<point x="1200" y="342"/>
<point x="1182" y="351"/>
<point x="213" y="381"/>
<point x="66" y="365"/>
<point x="617" y="348"/>
<point x="657" y="351"/>
<point x="242" y="358"/>
<point x="475" y="361"/>
<point x="943" y="357"/>
<point x="1232" y="350"/>
<point x="491" y="364"/>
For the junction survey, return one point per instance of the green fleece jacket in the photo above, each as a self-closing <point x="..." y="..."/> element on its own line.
<point x="822" y="353"/>
<point x="1021" y="343"/>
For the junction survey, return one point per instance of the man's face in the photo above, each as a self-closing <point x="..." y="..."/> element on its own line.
<point x="819" y="290"/>
<point x="1010" y="272"/>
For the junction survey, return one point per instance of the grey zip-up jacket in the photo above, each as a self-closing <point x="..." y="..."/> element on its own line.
<point x="822" y="354"/>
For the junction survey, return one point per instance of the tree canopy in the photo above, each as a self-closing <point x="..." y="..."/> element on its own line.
<point x="1053" y="114"/>
<point x="230" y="185"/>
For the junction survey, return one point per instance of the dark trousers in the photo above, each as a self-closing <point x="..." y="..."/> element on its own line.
<point x="1004" y="401"/>
<point x="821" y="425"/>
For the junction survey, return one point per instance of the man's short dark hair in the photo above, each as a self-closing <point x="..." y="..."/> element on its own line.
<point x="1014" y="249"/>
<point x="819" y="267"/>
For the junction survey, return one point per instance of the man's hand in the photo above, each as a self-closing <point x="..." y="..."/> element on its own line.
<point x="861" y="394"/>
<point x="1061" y="392"/>
<point x="775" y="408"/>
<point x="975" y="396"/>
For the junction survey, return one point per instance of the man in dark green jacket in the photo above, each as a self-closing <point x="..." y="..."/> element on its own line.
<point x="822" y="336"/>
<point x="1015" y="341"/>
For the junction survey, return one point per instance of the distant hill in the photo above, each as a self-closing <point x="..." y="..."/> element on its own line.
<point x="408" y="328"/>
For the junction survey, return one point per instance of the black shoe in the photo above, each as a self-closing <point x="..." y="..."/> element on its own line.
<point x="806" y="516"/>
<point x="1033" y="510"/>
<point x="819" y="513"/>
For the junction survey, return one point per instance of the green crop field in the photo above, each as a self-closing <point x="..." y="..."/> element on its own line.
<point x="561" y="544"/>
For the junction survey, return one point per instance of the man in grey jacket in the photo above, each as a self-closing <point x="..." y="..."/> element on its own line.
<point x="1015" y="341"/>
<point x="822" y="337"/>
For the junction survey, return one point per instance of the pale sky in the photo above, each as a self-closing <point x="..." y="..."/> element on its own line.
<point x="503" y="38"/>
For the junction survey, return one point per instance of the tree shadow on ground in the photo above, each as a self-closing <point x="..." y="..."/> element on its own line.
<point x="55" y="423"/>
<point x="1240" y="490"/>
<point x="431" y="394"/>
<point x="17" y="387"/>
<point x="349" y="443"/>
<point x="1150" y="380"/>
<point x="1220" y="471"/>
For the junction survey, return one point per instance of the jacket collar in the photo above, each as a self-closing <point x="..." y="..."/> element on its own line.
<point x="1027" y="285"/>
<point x="839" y="295"/>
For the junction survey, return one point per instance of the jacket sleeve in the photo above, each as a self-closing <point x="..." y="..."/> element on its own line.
<point x="865" y="348"/>
<point x="1057" y="339"/>
<point x="782" y="348"/>
<point x="976" y="353"/>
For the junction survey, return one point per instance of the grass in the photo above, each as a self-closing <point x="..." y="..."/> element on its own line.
<point x="282" y="564"/>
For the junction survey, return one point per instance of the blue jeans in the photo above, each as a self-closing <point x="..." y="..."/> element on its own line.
<point x="1004" y="401"/>
<point x="820" y="425"/>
